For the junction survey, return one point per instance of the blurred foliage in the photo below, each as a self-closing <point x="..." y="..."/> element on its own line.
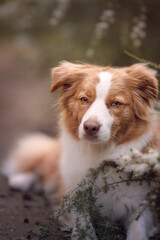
<point x="45" y="32"/>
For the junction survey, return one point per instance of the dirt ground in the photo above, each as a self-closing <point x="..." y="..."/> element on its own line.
<point x="25" y="216"/>
<point x="25" y="107"/>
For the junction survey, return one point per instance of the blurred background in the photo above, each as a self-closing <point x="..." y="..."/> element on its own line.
<point x="36" y="34"/>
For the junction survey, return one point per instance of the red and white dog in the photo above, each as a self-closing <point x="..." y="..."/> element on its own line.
<point x="105" y="112"/>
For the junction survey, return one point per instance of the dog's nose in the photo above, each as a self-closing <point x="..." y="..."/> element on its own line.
<point x="91" y="127"/>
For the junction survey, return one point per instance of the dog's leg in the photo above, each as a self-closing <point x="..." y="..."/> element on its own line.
<point x="136" y="231"/>
<point x="83" y="228"/>
<point x="142" y="228"/>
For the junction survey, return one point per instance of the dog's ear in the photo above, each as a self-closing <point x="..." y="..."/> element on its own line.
<point x="65" y="75"/>
<point x="143" y="80"/>
<point x="144" y="86"/>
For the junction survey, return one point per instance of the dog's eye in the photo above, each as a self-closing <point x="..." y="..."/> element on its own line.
<point x="84" y="100"/>
<point x="115" y="104"/>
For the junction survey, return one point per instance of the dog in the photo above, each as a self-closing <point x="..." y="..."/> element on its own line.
<point x="105" y="112"/>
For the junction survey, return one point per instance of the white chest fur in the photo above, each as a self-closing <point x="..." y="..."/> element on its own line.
<point x="79" y="156"/>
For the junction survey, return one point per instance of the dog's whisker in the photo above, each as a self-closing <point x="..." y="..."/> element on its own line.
<point x="54" y="105"/>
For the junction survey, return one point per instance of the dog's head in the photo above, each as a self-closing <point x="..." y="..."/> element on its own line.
<point x="103" y="103"/>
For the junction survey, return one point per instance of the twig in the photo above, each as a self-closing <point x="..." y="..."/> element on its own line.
<point x="155" y="65"/>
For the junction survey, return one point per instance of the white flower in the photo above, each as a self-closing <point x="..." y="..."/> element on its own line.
<point x="140" y="163"/>
<point x="130" y="168"/>
<point x="157" y="167"/>
<point x="108" y="16"/>
<point x="142" y="34"/>
<point x="136" y="153"/>
<point x="142" y="24"/>
<point x="137" y="42"/>
<point x="142" y="168"/>
<point x="138" y="169"/>
<point x="126" y="158"/>
<point x="150" y="159"/>
<point x="151" y="150"/>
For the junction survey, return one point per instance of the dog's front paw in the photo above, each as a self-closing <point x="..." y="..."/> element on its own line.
<point x="136" y="233"/>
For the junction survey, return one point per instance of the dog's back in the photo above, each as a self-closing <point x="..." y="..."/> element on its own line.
<point x="35" y="158"/>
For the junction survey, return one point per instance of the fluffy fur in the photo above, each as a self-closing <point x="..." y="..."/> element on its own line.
<point x="105" y="112"/>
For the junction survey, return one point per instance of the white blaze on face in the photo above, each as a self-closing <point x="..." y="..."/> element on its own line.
<point x="98" y="110"/>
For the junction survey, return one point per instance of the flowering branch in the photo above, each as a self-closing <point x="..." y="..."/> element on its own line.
<point x="138" y="167"/>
